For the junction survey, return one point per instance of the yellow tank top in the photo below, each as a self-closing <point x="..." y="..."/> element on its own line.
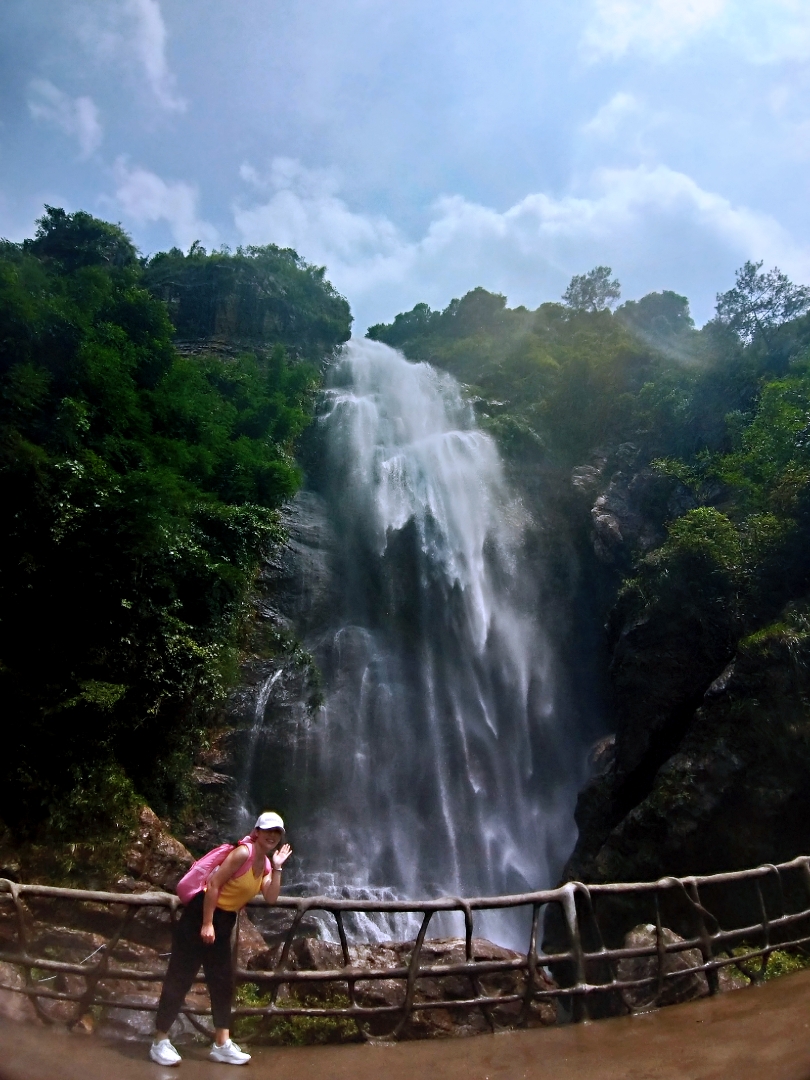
<point x="236" y="892"/>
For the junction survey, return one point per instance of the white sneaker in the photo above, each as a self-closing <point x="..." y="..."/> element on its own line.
<point x="164" y="1053"/>
<point x="228" y="1054"/>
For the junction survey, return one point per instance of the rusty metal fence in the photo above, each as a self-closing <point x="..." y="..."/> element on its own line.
<point x="576" y="961"/>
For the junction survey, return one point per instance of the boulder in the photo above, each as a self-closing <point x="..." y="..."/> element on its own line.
<point x="308" y="954"/>
<point x="155" y="856"/>
<point x="139" y="1024"/>
<point x="675" y="987"/>
<point x="250" y="941"/>
<point x="14" y="1006"/>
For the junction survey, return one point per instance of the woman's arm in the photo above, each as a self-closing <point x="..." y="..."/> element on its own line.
<point x="271" y="886"/>
<point x="224" y="872"/>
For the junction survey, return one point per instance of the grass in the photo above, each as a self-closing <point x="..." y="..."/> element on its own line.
<point x="294" y="1030"/>
<point x="780" y="962"/>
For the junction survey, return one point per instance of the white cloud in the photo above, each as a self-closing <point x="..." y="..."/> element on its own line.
<point x="145" y="197"/>
<point x="304" y="212"/>
<point x="132" y="32"/>
<point x="77" y="117"/>
<point x="613" y="116"/>
<point x="149" y="43"/>
<point x="763" y="30"/>
<point x="649" y="25"/>
<point x="657" y="228"/>
<point x="285" y="172"/>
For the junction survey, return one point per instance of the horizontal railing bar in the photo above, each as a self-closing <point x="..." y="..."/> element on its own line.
<point x="23" y="960"/>
<point x="463" y="1003"/>
<point x="675" y="946"/>
<point x="353" y="974"/>
<point x="271" y="1010"/>
<point x="757" y="928"/>
<point x="325" y="903"/>
<point x="146" y="899"/>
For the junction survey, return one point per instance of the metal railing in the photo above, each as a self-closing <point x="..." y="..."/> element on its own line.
<point x="580" y="968"/>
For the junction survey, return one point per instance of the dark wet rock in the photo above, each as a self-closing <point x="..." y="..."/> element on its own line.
<point x="129" y="1024"/>
<point x="204" y="833"/>
<point x="138" y="1025"/>
<point x="731" y="791"/>
<point x="709" y="731"/>
<point x="630" y="504"/>
<point x="274" y="923"/>
<point x="628" y="517"/>
<point x="602" y="755"/>
<point x="207" y="778"/>
<point x="63" y="939"/>
<point x="131" y="954"/>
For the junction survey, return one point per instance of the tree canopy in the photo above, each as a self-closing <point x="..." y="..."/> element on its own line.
<point x="139" y="485"/>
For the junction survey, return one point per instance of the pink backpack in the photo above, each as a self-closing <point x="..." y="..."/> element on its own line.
<point x="196" y="878"/>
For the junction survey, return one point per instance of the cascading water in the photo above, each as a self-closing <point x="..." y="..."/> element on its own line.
<point x="439" y="763"/>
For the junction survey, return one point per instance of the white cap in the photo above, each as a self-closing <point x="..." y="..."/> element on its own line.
<point x="269" y="820"/>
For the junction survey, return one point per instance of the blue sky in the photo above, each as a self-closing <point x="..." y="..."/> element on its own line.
<point x="420" y="149"/>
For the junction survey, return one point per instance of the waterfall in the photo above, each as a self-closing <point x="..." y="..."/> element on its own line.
<point x="439" y="762"/>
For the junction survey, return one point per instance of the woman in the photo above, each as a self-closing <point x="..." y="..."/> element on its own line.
<point x="202" y="935"/>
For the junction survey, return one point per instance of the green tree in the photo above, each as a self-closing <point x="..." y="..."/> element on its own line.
<point x="760" y="302"/>
<point x="662" y="317"/>
<point x="594" y="291"/>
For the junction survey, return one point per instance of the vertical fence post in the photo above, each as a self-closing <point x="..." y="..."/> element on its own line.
<point x="413" y="968"/>
<point x="468" y="955"/>
<point x="344" y="949"/>
<point x="706" y="941"/>
<point x="579" y="1005"/>
<point x="21" y="910"/>
<point x="531" y="967"/>
<point x="660" y="948"/>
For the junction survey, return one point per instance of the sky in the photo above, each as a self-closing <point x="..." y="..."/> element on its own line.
<point x="418" y="149"/>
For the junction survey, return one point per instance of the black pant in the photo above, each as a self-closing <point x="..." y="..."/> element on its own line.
<point x="188" y="952"/>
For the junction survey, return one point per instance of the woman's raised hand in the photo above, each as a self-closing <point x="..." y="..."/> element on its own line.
<point x="280" y="856"/>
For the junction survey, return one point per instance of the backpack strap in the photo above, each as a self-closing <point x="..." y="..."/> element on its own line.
<point x="248" y="863"/>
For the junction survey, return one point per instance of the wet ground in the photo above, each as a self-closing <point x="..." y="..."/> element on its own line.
<point x="760" y="1033"/>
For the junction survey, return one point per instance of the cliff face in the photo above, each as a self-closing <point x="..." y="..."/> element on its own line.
<point x="709" y="766"/>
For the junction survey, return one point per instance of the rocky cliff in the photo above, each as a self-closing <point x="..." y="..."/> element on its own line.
<point x="708" y="768"/>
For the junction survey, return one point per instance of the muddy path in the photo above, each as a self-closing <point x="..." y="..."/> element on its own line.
<point x="761" y="1033"/>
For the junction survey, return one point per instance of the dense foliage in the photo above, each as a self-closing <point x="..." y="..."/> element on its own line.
<point x="723" y="412"/>
<point x="139" y="486"/>
<point x="560" y="380"/>
<point x="255" y="296"/>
